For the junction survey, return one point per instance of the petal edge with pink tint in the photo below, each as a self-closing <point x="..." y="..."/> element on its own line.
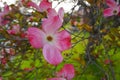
<point x="36" y="37"/>
<point x="52" y="54"/>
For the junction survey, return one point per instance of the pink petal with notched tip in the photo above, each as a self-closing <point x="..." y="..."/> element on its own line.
<point x="44" y="5"/>
<point x="52" y="55"/>
<point x="36" y="37"/>
<point x="51" y="12"/>
<point x="63" y="40"/>
<point x="108" y="12"/>
<point x="111" y="3"/>
<point x="67" y="72"/>
<point x="51" y="24"/>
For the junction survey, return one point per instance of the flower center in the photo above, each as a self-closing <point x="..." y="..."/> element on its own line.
<point x="49" y="38"/>
<point x="115" y="12"/>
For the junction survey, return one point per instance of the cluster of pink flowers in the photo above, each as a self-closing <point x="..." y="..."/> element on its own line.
<point x="114" y="8"/>
<point x="49" y="38"/>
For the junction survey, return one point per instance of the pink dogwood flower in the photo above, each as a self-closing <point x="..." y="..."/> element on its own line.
<point x="50" y="39"/>
<point x="66" y="73"/>
<point x="113" y="9"/>
<point x="43" y="6"/>
<point x="2" y="14"/>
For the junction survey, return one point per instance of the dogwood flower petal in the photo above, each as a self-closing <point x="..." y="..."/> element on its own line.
<point x="61" y="13"/>
<point x="52" y="54"/>
<point x="67" y="72"/>
<point x="51" y="12"/>
<point x="44" y="5"/>
<point x="51" y="24"/>
<point x="64" y="40"/>
<point x="34" y="5"/>
<point x="111" y="3"/>
<point x="36" y="37"/>
<point x="108" y="12"/>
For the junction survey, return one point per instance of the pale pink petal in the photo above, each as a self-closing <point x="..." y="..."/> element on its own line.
<point x="36" y="37"/>
<point x="51" y="24"/>
<point x="64" y="40"/>
<point x="67" y="72"/>
<point x="51" y="12"/>
<point x="44" y="5"/>
<point x="52" y="54"/>
<point x="56" y="79"/>
<point x="61" y="13"/>
<point x="111" y="3"/>
<point x="34" y="5"/>
<point x="108" y="12"/>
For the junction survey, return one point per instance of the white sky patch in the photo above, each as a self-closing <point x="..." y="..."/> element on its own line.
<point x="1" y="4"/>
<point x="67" y="4"/>
<point x="9" y="1"/>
